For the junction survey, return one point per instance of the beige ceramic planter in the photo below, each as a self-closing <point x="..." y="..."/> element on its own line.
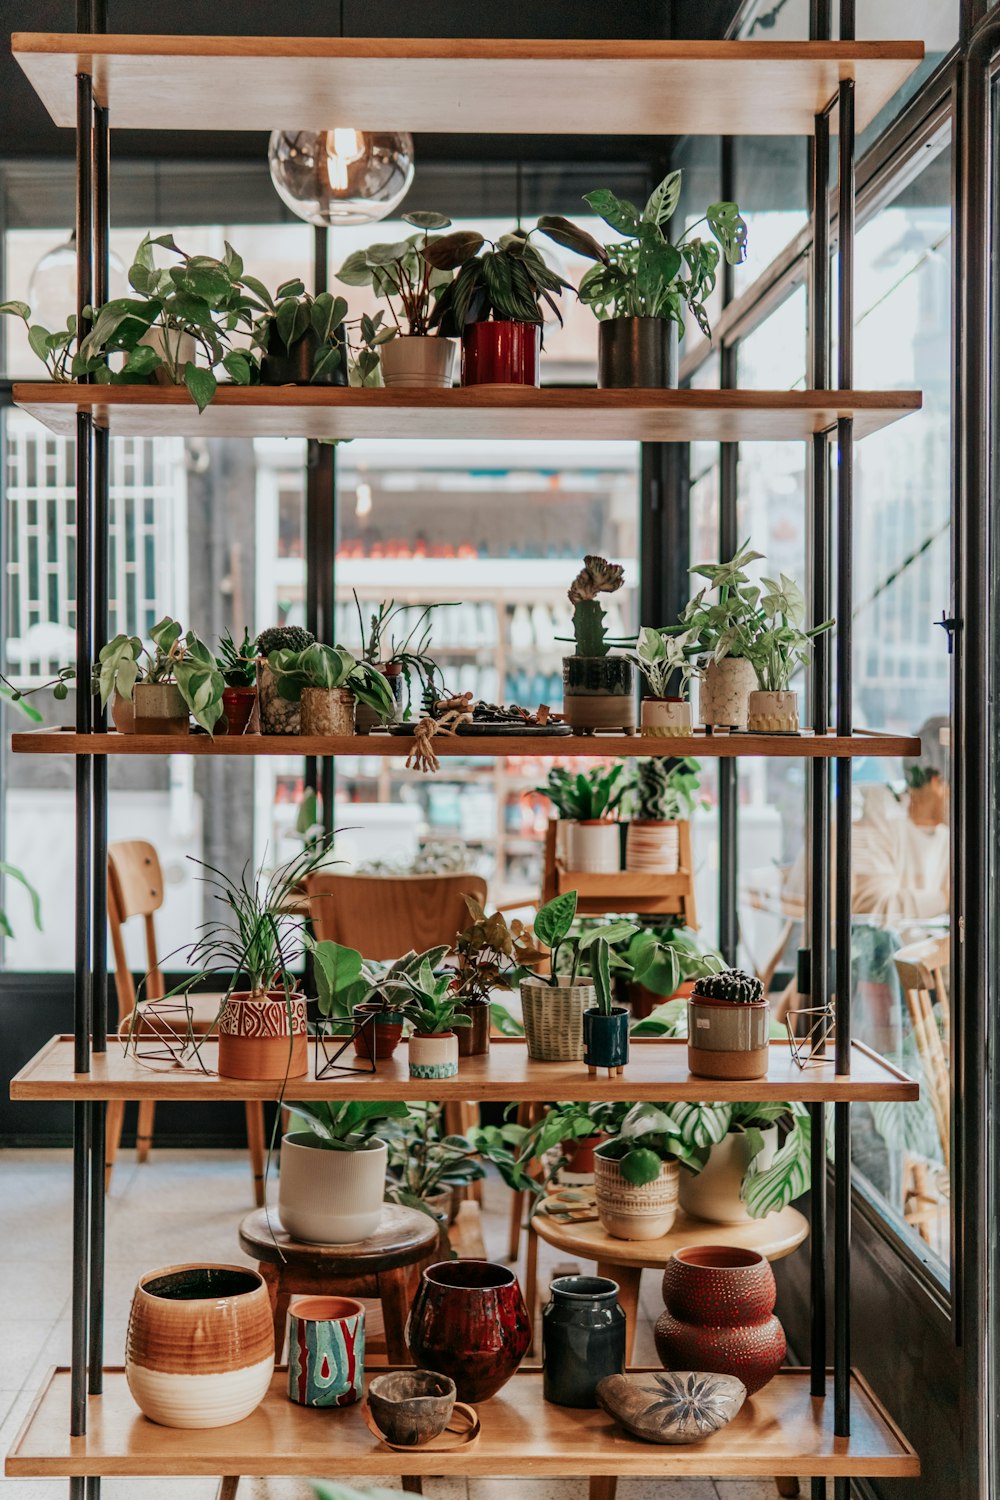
<point x="331" y="1197"/>
<point x="593" y="846"/>
<point x="727" y="1038"/>
<point x="713" y="1193"/>
<point x="553" y="1019"/>
<point x="773" y="713"/>
<point x="652" y="846"/>
<point x="425" y="363"/>
<point x="724" y="693"/>
<point x="159" y="708"/>
<point x="635" y="1213"/>
<point x="434" y="1055"/>
<point x="277" y="714"/>
<point x="664" y="718"/>
<point x="180" y="350"/>
<point x="327" y="711"/>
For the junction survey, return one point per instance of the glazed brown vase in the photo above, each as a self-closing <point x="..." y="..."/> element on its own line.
<point x="469" y="1321"/>
<point x="256" y="1040"/>
<point x="474" y="1040"/>
<point x="720" y="1315"/>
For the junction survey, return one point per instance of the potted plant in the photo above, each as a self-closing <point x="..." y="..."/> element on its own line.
<point x="484" y="962"/>
<point x="728" y="1026"/>
<point x="724" y="630"/>
<point x="327" y="681"/>
<point x="116" y="672"/>
<point x="238" y="666"/>
<point x="587" y="836"/>
<point x="605" y="1025"/>
<point x="332" y="1182"/>
<point x="435" y="1013"/>
<point x="396" y="660"/>
<point x="494" y="302"/>
<point x="278" y="715"/>
<point x="351" y="989"/>
<point x="61" y="355"/>
<point x="426" y="1165"/>
<point x="782" y="646"/>
<point x="660" y="793"/>
<point x="402" y="273"/>
<point x="177" y="678"/>
<point x="737" y="1167"/>
<point x="566" y="1137"/>
<point x="302" y="338"/>
<point x="598" y="688"/>
<point x="637" y="1180"/>
<point x="553" y="1004"/>
<point x="644" y="283"/>
<point x="660" y="657"/>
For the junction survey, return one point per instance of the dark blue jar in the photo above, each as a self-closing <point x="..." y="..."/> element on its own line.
<point x="583" y="1338"/>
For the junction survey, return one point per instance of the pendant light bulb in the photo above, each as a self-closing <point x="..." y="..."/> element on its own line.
<point x="341" y="176"/>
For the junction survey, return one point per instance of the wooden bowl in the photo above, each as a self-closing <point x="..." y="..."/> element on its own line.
<point x="411" y="1407"/>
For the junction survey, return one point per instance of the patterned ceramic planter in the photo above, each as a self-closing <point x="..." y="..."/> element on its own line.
<point x="724" y="693"/>
<point x="773" y="713"/>
<point x="200" y="1345"/>
<point x="469" y="1321"/>
<point x="594" y="846"/>
<point x="720" y="1315"/>
<point x="598" y="693"/>
<point x="664" y="718"/>
<point x="263" y="1036"/>
<point x="714" y="1192"/>
<point x="434" y="1055"/>
<point x="326" y="1351"/>
<point x="652" y="846"/>
<point x="331" y="1197"/>
<point x="327" y="711"/>
<point x="277" y="714"/>
<point x="727" y="1038"/>
<point x="414" y="362"/>
<point x="635" y="1213"/>
<point x="553" y="1019"/>
<point x="159" y="708"/>
<point x="605" y="1038"/>
<point x="583" y="1338"/>
<point x="498" y="352"/>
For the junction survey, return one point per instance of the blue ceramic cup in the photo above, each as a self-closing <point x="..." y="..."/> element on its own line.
<point x="326" y="1351"/>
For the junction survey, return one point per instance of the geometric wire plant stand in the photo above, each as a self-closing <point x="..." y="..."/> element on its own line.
<point x="362" y="1031"/>
<point x="817" y="1030"/>
<point x="163" y="1031"/>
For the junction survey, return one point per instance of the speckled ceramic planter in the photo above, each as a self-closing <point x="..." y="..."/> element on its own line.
<point x="277" y="715"/>
<point x="664" y="718"/>
<point x="553" y="1019"/>
<point x="159" y="708"/>
<point x="434" y="1055"/>
<point x="720" y="1315"/>
<point x="327" y="711"/>
<point x="724" y="693"/>
<point x="773" y="713"/>
<point x="727" y="1039"/>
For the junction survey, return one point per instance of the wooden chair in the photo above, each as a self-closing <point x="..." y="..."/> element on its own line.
<point x="384" y="916"/>
<point x="135" y="889"/>
<point x="923" y="978"/>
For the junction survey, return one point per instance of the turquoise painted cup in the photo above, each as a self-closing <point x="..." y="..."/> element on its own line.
<point x="326" y="1351"/>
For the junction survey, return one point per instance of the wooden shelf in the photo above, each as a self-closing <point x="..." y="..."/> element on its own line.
<point x="468" y="86"/>
<point x="516" y="414"/>
<point x="705" y="746"/>
<point x="779" y="1234"/>
<point x="780" y="1431"/>
<point x="657" y="1069"/>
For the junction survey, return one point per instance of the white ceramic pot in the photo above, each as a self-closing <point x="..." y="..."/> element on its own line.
<point x="724" y="693"/>
<point x="409" y="360"/>
<point x="664" y="718"/>
<point x="635" y="1213"/>
<point x="652" y="846"/>
<point x="773" y="713"/>
<point x="714" y="1192"/>
<point x="594" y="846"/>
<point x="331" y="1197"/>
<point x="433" y="1056"/>
<point x="563" y="826"/>
<point x="180" y="349"/>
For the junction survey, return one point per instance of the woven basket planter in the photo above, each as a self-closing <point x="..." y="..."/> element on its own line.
<point x="553" y="1019"/>
<point x="635" y="1213"/>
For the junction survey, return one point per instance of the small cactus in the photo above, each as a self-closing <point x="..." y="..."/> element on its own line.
<point x="283" y="638"/>
<point x="597" y="576"/>
<point x="734" y="985"/>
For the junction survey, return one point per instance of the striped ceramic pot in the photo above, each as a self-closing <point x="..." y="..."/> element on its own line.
<point x="434" y="1055"/>
<point x="653" y="846"/>
<point x="328" y="1197"/>
<point x="200" y="1345"/>
<point x="263" y="1036"/>
<point x="664" y="718"/>
<point x="326" y="1351"/>
<point x="635" y="1213"/>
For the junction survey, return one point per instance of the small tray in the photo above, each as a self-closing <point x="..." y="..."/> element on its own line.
<point x="486" y="731"/>
<point x="462" y="1431"/>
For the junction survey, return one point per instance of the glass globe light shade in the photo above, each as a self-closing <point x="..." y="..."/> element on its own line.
<point x="344" y="176"/>
<point x="51" y="291"/>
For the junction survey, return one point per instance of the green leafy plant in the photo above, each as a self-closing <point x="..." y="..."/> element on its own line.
<point x="660" y="657"/>
<point x="504" y="1146"/>
<point x="64" y="360"/>
<point x="411" y="653"/>
<point x="782" y="644"/>
<point x="553" y="926"/>
<point x="485" y="954"/>
<point x="321" y="666"/>
<point x="645" y="275"/>
<point x="666" y="958"/>
<point x="11" y="872"/>
<point x="237" y="663"/>
<point x="348" y="1125"/>
<point x="432" y="1006"/>
<point x="660" y="789"/>
<point x="402" y="273"/>
<point x="344" y="979"/>
<point x="424" y="1160"/>
<point x="509" y="280"/>
<point x="582" y="796"/>
<point x="292" y="314"/>
<point x="729" y="623"/>
<point x="765" y="1189"/>
<point x="15" y="694"/>
<point x="646" y="1138"/>
<point x="118" y="668"/>
<point x="597" y="576"/>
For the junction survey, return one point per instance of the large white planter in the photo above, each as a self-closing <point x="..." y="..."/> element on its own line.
<point x="652" y="846"/>
<point x="664" y="718"/>
<point x="724" y="693"/>
<point x="594" y="846"/>
<point x="773" y="713"/>
<point x="331" y="1197"/>
<point x="434" y="1055"/>
<point x="427" y="363"/>
<point x="714" y="1192"/>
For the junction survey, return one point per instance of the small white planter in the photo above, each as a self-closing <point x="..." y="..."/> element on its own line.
<point x="652" y="847"/>
<point x="664" y="718"/>
<point x="427" y="363"/>
<point x="331" y="1197"/>
<point x="433" y="1056"/>
<point x="724" y="693"/>
<point x="178" y="350"/>
<point x="594" y="847"/>
<point x="773" y="713"/>
<point x="714" y="1192"/>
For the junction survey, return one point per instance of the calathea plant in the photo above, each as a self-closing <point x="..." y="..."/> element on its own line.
<point x="403" y="274"/>
<point x="509" y="280"/>
<point x="765" y="1189"/>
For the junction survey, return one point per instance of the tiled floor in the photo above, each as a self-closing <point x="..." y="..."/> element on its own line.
<point x="180" y="1205"/>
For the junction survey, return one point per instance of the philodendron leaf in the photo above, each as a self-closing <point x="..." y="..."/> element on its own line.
<point x="555" y="919"/>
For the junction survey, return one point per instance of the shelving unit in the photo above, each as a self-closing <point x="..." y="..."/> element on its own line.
<point x="803" y="1422"/>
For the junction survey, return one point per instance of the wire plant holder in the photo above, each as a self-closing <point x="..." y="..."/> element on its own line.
<point x="162" y="1030"/>
<point x="362" y="1031"/>
<point x="816" y="1032"/>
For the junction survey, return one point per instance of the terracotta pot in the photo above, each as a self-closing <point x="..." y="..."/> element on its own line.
<point x="713" y="1193"/>
<point x="469" y="1321"/>
<point x="331" y="1197"/>
<point x="594" y="845"/>
<point x="598" y="692"/>
<point x="724" y="693"/>
<point x="386" y="1033"/>
<point x="635" y="1213"/>
<point x="652" y="846"/>
<point x="159" y="708"/>
<point x="123" y="714"/>
<point x="365" y="718"/>
<point x="238" y="704"/>
<point x="605" y="1038"/>
<point x="720" y="1315"/>
<point x="412" y="361"/>
<point x="434" y="1055"/>
<point x="444" y="1203"/>
<point x="277" y="715"/>
<point x="474" y="1040"/>
<point x="327" y="711"/>
<point x="773" y="713"/>
<point x="326" y="1351"/>
<point x="636" y="353"/>
<point x="501" y="353"/>
<point x="553" y="1019"/>
<point x="200" y="1345"/>
<point x="579" y="1155"/>
<point x="664" y="718"/>
<point x="727" y="1039"/>
<point x="254" y="1040"/>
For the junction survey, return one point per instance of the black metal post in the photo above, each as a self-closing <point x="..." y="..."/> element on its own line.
<point x="729" y="461"/>
<point x="321" y="501"/>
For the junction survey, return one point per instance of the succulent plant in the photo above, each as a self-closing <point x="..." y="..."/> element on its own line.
<point x="283" y="638"/>
<point x="734" y="985"/>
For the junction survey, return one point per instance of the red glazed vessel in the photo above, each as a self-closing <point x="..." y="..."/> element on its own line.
<point x="469" y="1321"/>
<point x="720" y="1315"/>
<point x="500" y="353"/>
<point x="238" y="704"/>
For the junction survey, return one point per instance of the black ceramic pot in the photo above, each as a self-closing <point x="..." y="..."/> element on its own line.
<point x="605" y="1038"/>
<point x="637" y="354"/>
<point x="583" y="1339"/>
<point x="613" y="675"/>
<point x="281" y="366"/>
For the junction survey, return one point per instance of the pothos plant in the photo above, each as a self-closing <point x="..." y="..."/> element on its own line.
<point x="293" y="313"/>
<point x="660" y="657"/>
<point x="645" y="275"/>
<point x="782" y="644"/>
<point x="177" y="656"/>
<point x="509" y="280"/>
<point x="402" y="273"/>
<point x="329" y="667"/>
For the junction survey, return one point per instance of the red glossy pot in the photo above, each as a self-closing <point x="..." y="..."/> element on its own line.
<point x="720" y="1315"/>
<point x="495" y="353"/>
<point x="469" y="1321"/>
<point x="237" y="709"/>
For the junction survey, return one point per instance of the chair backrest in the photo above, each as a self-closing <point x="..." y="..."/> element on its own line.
<point x="923" y="977"/>
<point x="135" y="889"/>
<point x="384" y="916"/>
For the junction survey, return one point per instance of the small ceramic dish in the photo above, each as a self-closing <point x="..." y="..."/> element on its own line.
<point x="411" y="1407"/>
